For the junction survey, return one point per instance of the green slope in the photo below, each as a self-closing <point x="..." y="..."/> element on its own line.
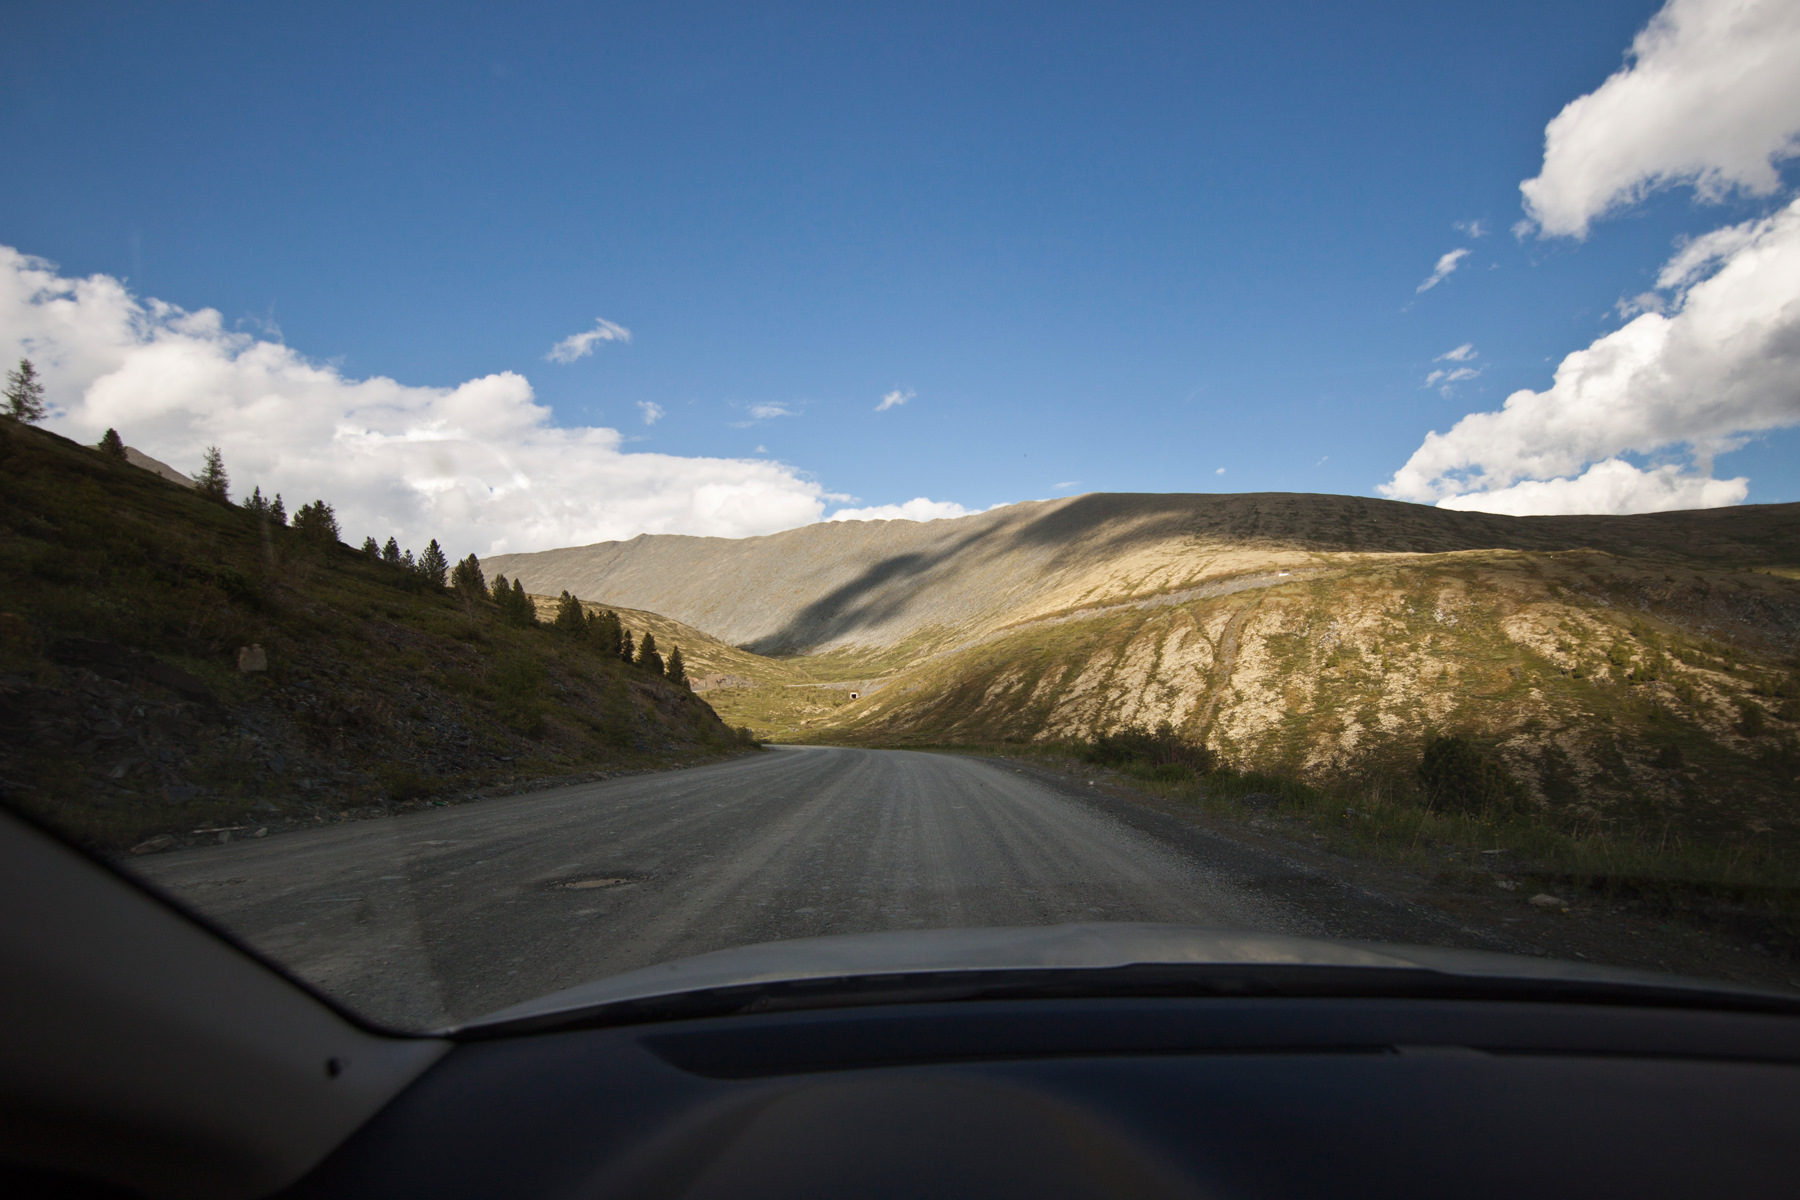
<point x="125" y="599"/>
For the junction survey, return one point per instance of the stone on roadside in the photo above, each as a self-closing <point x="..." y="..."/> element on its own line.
<point x="161" y="841"/>
<point x="1545" y="900"/>
<point x="252" y="658"/>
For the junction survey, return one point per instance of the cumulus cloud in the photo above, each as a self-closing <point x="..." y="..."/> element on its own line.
<point x="1612" y="486"/>
<point x="893" y="399"/>
<point x="480" y="466"/>
<point x="1445" y="266"/>
<point x="653" y="412"/>
<point x="580" y="345"/>
<point x="1710" y="95"/>
<point x="916" y="509"/>
<point x="1720" y="363"/>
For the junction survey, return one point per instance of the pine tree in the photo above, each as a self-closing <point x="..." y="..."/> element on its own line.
<point x="272" y="511"/>
<point x="569" y="617"/>
<point x="626" y="650"/>
<point x="466" y="577"/>
<point x="25" y="394"/>
<point x="605" y="630"/>
<point x="433" y="565"/>
<point x="112" y="445"/>
<point x="214" y="483"/>
<point x="677" y="668"/>
<point x="390" y="553"/>
<point x="407" y="564"/>
<point x="647" y="657"/>
<point x="524" y="612"/>
<point x="371" y="549"/>
<point x="317" y="523"/>
<point x="502" y="590"/>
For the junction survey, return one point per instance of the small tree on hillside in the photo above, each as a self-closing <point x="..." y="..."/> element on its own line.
<point x="317" y="523"/>
<point x="647" y="657"/>
<point x="466" y="577"/>
<point x="627" y="651"/>
<point x="524" y="612"/>
<point x="569" y="617"/>
<point x="607" y="632"/>
<point x="390" y="553"/>
<point x="433" y="566"/>
<point x="24" y="393"/>
<point x="677" y="668"/>
<point x="273" y="511"/>
<point x="213" y="482"/>
<point x="372" y="548"/>
<point x="112" y="445"/>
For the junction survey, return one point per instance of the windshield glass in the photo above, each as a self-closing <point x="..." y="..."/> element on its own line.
<point x="492" y="505"/>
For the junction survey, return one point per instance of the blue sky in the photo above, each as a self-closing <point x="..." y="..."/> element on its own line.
<point x="1103" y="247"/>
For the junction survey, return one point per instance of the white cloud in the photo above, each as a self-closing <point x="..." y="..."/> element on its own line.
<point x="893" y="399"/>
<point x="1475" y="229"/>
<point x="479" y="466"/>
<point x="1445" y="265"/>
<point x="1449" y="378"/>
<point x="916" y="509"/>
<point x="768" y="412"/>
<point x="580" y="345"/>
<point x="1710" y="96"/>
<point x="1721" y="363"/>
<point x="1611" y="486"/>
<point x="653" y="412"/>
<point x="1462" y="353"/>
<point x="1220" y="471"/>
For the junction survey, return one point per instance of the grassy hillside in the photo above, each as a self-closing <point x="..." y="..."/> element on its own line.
<point x="125" y="599"/>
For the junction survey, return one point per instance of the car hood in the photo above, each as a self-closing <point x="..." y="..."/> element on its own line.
<point x="1072" y="948"/>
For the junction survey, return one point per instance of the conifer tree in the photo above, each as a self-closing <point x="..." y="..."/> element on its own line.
<point x="24" y="393"/>
<point x="372" y="549"/>
<point x="626" y="650"/>
<point x="317" y="523"/>
<point x="254" y="502"/>
<point x="647" y="657"/>
<point x="213" y="482"/>
<point x="278" y="511"/>
<point x="502" y="590"/>
<point x="569" y="617"/>
<point x="407" y="564"/>
<point x="677" y="668"/>
<point x="524" y="612"/>
<point x="112" y="445"/>
<point x="390" y="553"/>
<point x="433" y="566"/>
<point x="466" y="577"/>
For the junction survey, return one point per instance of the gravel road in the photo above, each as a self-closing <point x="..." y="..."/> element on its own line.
<point x="420" y="919"/>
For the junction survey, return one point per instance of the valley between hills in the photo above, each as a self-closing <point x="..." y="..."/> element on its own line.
<point x="1634" y="677"/>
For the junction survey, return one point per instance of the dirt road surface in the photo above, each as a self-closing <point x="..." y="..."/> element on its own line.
<point x="426" y="918"/>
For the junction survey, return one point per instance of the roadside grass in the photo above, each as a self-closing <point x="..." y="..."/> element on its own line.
<point x="1382" y="817"/>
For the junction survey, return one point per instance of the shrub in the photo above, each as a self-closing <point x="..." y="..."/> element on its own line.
<point x="1459" y="776"/>
<point x="1159" y="747"/>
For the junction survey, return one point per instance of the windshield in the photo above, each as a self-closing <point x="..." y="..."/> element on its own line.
<point x="492" y="505"/>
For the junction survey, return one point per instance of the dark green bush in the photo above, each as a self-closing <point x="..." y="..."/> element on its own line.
<point x="1459" y="776"/>
<point x="1151" y="748"/>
